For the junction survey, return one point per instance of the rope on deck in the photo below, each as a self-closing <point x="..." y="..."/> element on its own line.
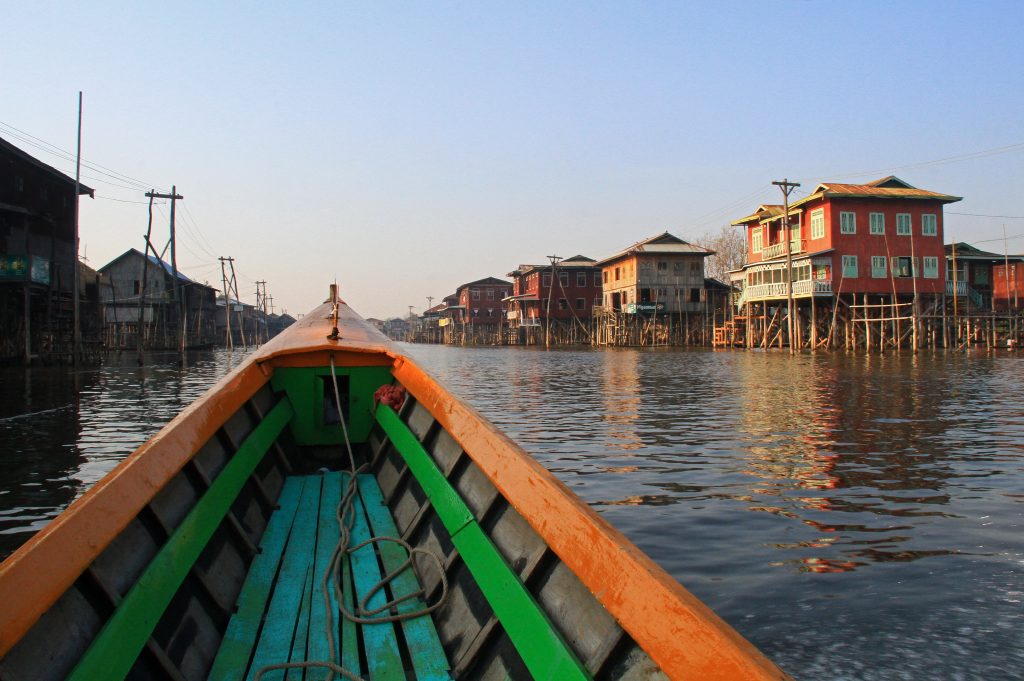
<point x="345" y="516"/>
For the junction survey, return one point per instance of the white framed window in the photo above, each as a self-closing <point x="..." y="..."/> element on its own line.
<point x="849" y="266"/>
<point x="877" y="223"/>
<point x="847" y="222"/>
<point x="928" y="227"/>
<point x="581" y="280"/>
<point x="903" y="224"/>
<point x="755" y="240"/>
<point x="878" y="269"/>
<point x="931" y="267"/>
<point x="818" y="224"/>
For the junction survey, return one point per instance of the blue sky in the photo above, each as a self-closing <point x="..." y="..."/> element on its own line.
<point x="405" y="148"/>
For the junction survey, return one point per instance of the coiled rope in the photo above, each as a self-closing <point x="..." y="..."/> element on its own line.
<point x="332" y="579"/>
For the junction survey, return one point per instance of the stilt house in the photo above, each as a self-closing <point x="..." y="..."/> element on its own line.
<point x="879" y="243"/>
<point x="563" y="295"/>
<point x="37" y="257"/>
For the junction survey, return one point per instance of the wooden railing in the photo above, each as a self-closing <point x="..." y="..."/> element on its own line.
<point x="778" y="250"/>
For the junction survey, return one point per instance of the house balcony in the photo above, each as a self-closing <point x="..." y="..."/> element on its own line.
<point x="779" y="250"/>
<point x="778" y="290"/>
<point x="962" y="290"/>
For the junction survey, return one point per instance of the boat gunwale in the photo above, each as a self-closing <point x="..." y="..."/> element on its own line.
<point x="648" y="603"/>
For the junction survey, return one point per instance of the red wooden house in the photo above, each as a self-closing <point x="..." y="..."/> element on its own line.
<point x="481" y="302"/>
<point x="876" y="238"/>
<point x="537" y="296"/>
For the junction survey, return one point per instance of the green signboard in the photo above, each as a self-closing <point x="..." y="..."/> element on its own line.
<point x="24" y="268"/>
<point x="645" y="308"/>
<point x="13" y="268"/>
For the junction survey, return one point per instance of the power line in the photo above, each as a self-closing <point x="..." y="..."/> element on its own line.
<point x="42" y="144"/>
<point x="984" y="215"/>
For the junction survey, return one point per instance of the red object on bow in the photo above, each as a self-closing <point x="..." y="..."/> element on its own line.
<point x="391" y="395"/>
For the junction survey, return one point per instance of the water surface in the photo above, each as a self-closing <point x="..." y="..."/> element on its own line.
<point x="855" y="517"/>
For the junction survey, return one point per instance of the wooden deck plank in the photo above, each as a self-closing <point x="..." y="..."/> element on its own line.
<point x="302" y="630"/>
<point x="236" y="649"/>
<point x="117" y="646"/>
<point x="428" y="657"/>
<point x="383" y="657"/>
<point x="327" y="539"/>
<point x="349" y="631"/>
<point x="275" y="641"/>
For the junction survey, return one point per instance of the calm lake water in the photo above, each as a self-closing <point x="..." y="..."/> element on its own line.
<point x="854" y="517"/>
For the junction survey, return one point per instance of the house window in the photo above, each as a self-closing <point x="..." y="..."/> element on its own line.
<point x="981" y="276"/>
<point x="694" y="295"/>
<point x="597" y="279"/>
<point x="928" y="225"/>
<point x="546" y="279"/>
<point x="695" y="267"/>
<point x="617" y="273"/>
<point x="563" y="304"/>
<point x="136" y="286"/>
<point x="878" y="223"/>
<point x="878" y="269"/>
<point x="604" y="276"/>
<point x="597" y="301"/>
<point x="903" y="224"/>
<point x="755" y="240"/>
<point x="931" y="267"/>
<point x="818" y="224"/>
<point x="475" y="293"/>
<point x="581" y="279"/>
<point x="847" y="222"/>
<point x="850" y="266"/>
<point x="903" y="267"/>
<point x="581" y="303"/>
<point x="563" y="279"/>
<point x="490" y="294"/>
<point x="662" y="266"/>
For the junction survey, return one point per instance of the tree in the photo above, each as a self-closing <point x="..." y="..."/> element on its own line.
<point x="730" y="247"/>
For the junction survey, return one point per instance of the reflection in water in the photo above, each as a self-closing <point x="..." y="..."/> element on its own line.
<point x="64" y="429"/>
<point x="856" y="517"/>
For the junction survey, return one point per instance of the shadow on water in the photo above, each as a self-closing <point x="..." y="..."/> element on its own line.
<point x="856" y="517"/>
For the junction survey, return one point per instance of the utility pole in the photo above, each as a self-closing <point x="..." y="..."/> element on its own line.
<point x="551" y="289"/>
<point x="787" y="188"/>
<point x="227" y="299"/>
<point x="173" y="196"/>
<point x="261" y="309"/>
<point x="76" y="332"/>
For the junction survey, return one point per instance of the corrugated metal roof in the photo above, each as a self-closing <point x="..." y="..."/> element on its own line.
<point x="886" y="188"/>
<point x="662" y="243"/>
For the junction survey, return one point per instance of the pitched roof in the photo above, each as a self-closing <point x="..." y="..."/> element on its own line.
<point x="155" y="261"/>
<point x="890" y="187"/>
<point x="662" y="243"/>
<point x="82" y="189"/>
<point x="487" y="281"/>
<point x="764" y="212"/>
<point x="966" y="251"/>
<point x="574" y="261"/>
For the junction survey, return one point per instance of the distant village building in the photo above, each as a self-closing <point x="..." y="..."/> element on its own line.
<point x="985" y="280"/>
<point x="127" y="300"/>
<point x="479" y="315"/>
<point x="662" y="274"/>
<point x="37" y="259"/>
<point x="566" y="303"/>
